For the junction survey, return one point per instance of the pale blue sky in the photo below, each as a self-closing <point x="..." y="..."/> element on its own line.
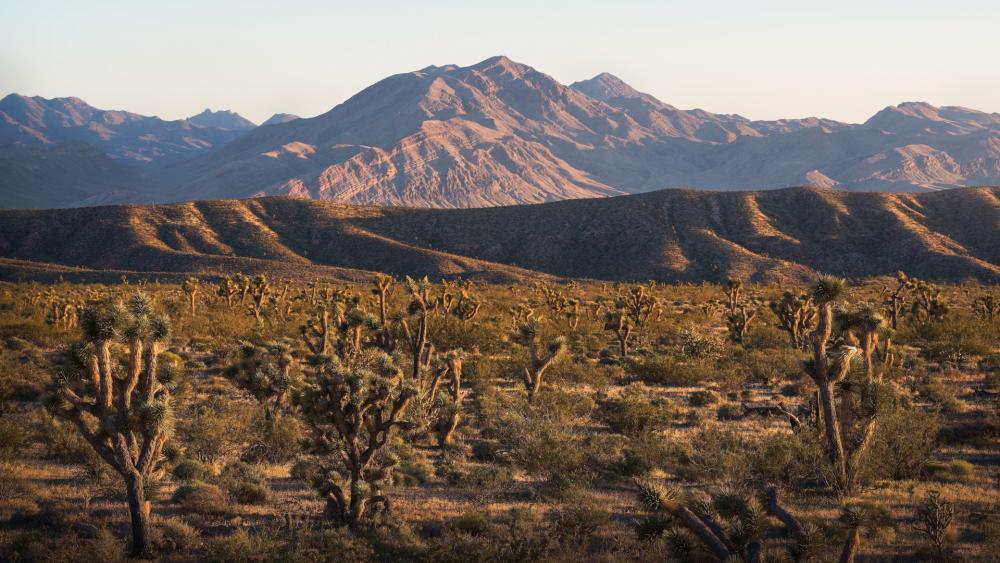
<point x="763" y="59"/>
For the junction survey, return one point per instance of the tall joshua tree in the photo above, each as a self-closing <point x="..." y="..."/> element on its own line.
<point x="191" y="287"/>
<point x="415" y="327"/>
<point x="259" y="290"/>
<point x="895" y="301"/>
<point x="121" y="406"/>
<point x="449" y="406"/>
<point x="734" y="291"/>
<point x="541" y="356"/>
<point x="827" y="370"/>
<point x="353" y="408"/>
<point x="384" y="288"/>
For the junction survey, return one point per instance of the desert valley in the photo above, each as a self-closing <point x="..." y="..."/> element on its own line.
<point x="474" y="313"/>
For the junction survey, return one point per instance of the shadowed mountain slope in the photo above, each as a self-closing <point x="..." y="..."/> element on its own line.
<point x="675" y="235"/>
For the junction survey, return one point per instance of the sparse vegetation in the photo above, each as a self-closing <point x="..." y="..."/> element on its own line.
<point x="421" y="420"/>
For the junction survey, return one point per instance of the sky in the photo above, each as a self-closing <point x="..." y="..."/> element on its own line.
<point x="765" y="59"/>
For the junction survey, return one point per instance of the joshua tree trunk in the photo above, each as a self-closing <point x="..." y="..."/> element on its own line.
<point x="831" y="427"/>
<point x="851" y="546"/>
<point x="139" y="511"/>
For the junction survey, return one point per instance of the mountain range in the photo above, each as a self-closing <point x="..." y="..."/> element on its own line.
<point x="776" y="236"/>
<point x="494" y="133"/>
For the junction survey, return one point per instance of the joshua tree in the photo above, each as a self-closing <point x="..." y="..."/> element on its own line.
<point x="317" y="331"/>
<point x="268" y="373"/>
<point x="639" y="304"/>
<point x="63" y="314"/>
<point x="897" y="298"/>
<point x="619" y="323"/>
<point x="928" y="303"/>
<point x="416" y="335"/>
<point x="467" y="306"/>
<point x="796" y="316"/>
<point x="540" y="359"/>
<point x="987" y="307"/>
<point x="259" y="291"/>
<point x="827" y="371"/>
<point x="228" y="290"/>
<point x="449" y="407"/>
<point x="244" y="284"/>
<point x="739" y="322"/>
<point x="732" y="525"/>
<point x="122" y="407"/>
<point x="384" y="288"/>
<point x="862" y="327"/>
<point x="353" y="407"/>
<point x="191" y="286"/>
<point x="734" y="291"/>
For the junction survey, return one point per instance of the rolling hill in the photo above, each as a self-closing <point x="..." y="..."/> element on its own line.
<point x="673" y="235"/>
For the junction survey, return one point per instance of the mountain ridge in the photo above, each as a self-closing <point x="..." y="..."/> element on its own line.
<point x="500" y="132"/>
<point x="776" y="236"/>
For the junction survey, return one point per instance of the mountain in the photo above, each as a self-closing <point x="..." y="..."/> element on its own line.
<point x="503" y="133"/>
<point x="123" y="136"/>
<point x="224" y="119"/>
<point x="781" y="236"/>
<point x="280" y="118"/>
<point x="69" y="175"/>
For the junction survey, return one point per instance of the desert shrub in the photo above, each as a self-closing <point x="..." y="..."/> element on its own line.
<point x="487" y="479"/>
<point x="581" y="371"/>
<point x="730" y="411"/>
<point x="576" y="522"/>
<point x="192" y="470"/>
<point x="517" y="535"/>
<point x="14" y="437"/>
<point x="412" y="471"/>
<point x="957" y="339"/>
<point x="941" y="394"/>
<point x="764" y="366"/>
<point x="955" y="471"/>
<point x="665" y="370"/>
<point x="176" y="535"/>
<point x="244" y="482"/>
<point x="703" y="398"/>
<point x="712" y="455"/>
<point x="245" y="547"/>
<point x="634" y="414"/>
<point x="203" y="499"/>
<point x="215" y="428"/>
<point x="65" y="445"/>
<point x="633" y="464"/>
<point x="564" y="405"/>
<point x="277" y="439"/>
<point x="766" y="337"/>
<point x="542" y="444"/>
<point x="905" y="440"/>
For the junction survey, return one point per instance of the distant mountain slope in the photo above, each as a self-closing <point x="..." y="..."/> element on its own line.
<point x="673" y="235"/>
<point x="500" y="133"/>
<point x="124" y="136"/>
<point x="69" y="175"/>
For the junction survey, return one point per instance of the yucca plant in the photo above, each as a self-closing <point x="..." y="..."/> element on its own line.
<point x="122" y="406"/>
